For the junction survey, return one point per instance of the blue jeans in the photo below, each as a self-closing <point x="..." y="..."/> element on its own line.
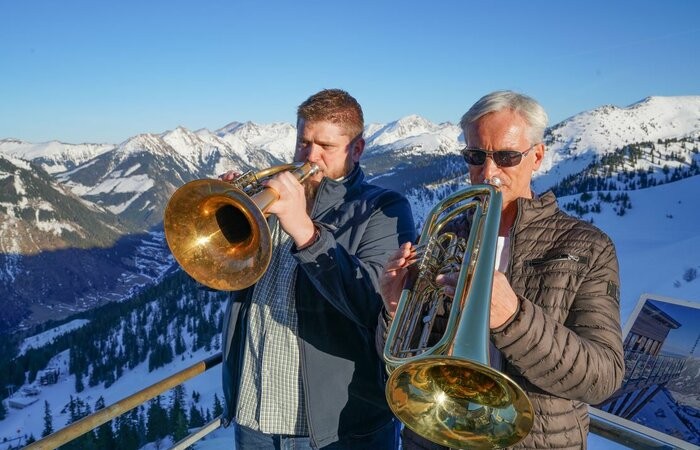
<point x="385" y="438"/>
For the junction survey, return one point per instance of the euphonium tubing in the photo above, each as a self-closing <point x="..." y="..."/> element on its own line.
<point x="448" y="393"/>
<point x="219" y="234"/>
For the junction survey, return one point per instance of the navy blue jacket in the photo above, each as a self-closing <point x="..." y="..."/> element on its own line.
<point x="338" y="303"/>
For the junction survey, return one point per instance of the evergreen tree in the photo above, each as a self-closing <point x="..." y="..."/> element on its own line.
<point x="71" y="410"/>
<point x="3" y="411"/>
<point x="138" y="425"/>
<point x="157" y="421"/>
<point x="77" y="410"/>
<point x="177" y="416"/>
<point x="180" y="430"/>
<point x="105" y="434"/>
<point x="180" y="346"/>
<point x="79" y="382"/>
<point x="196" y="417"/>
<point x="48" y="420"/>
<point x="218" y="409"/>
<point x="127" y="439"/>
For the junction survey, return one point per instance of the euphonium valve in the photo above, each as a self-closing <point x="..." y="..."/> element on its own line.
<point x="445" y="390"/>
<point x="217" y="230"/>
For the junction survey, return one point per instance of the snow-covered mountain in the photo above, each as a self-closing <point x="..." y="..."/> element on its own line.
<point x="413" y="133"/>
<point x="53" y="156"/>
<point x="133" y="180"/>
<point x="643" y="237"/>
<point x="637" y="167"/>
<point x="575" y="142"/>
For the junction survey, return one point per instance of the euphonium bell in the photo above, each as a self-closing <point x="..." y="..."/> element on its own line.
<point x="217" y="230"/>
<point x="446" y="391"/>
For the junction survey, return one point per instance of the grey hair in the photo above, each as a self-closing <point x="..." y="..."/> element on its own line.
<point x="528" y="108"/>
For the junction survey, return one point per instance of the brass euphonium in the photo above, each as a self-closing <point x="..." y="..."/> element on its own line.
<point x="217" y="230"/>
<point x="445" y="391"/>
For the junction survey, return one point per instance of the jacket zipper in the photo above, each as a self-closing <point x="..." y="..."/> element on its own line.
<point x="302" y="368"/>
<point x="558" y="258"/>
<point x="511" y="235"/>
<point x="242" y="320"/>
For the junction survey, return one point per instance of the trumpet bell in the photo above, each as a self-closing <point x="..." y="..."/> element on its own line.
<point x="459" y="403"/>
<point x="218" y="234"/>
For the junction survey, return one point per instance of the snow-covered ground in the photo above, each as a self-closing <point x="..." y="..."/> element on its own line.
<point x="657" y="241"/>
<point x="46" y="337"/>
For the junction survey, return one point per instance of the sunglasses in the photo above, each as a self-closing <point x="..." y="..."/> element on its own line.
<point x="502" y="158"/>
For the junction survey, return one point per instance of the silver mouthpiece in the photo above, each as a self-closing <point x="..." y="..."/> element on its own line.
<point x="495" y="182"/>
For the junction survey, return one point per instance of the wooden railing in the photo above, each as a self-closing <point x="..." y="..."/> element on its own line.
<point x="94" y="420"/>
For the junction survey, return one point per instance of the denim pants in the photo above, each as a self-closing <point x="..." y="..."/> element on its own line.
<point x="385" y="438"/>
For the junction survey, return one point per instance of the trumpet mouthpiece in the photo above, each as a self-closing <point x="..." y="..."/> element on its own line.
<point x="495" y="182"/>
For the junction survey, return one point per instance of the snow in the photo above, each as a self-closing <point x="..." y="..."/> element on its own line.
<point x="653" y="250"/>
<point x="56" y="152"/>
<point x="657" y="240"/>
<point x="46" y="337"/>
<point x="30" y="419"/>
<point x="414" y="135"/>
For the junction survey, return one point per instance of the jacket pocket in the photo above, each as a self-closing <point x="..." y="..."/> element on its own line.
<point x="557" y="258"/>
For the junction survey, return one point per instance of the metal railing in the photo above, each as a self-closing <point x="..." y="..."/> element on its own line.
<point x="632" y="435"/>
<point x="94" y="420"/>
<point x="197" y="435"/>
<point x="602" y="423"/>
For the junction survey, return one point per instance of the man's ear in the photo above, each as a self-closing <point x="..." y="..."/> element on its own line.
<point x="357" y="149"/>
<point x="539" y="156"/>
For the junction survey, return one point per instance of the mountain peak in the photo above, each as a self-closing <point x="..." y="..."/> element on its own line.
<point x="229" y="128"/>
<point x="410" y="127"/>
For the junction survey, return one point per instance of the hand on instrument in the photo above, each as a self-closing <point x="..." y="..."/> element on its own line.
<point x="230" y="175"/>
<point x="448" y="282"/>
<point x="504" y="302"/>
<point x="393" y="276"/>
<point x="290" y="209"/>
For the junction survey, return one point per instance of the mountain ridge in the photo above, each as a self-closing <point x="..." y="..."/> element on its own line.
<point x="130" y="183"/>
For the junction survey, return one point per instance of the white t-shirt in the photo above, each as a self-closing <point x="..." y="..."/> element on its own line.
<point x="502" y="253"/>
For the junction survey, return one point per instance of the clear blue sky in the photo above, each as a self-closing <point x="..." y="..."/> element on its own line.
<point x="98" y="71"/>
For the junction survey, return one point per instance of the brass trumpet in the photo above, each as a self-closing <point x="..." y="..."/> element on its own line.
<point x="217" y="230"/>
<point x="446" y="391"/>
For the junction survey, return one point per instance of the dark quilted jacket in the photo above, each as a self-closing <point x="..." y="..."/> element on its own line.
<point x="564" y="345"/>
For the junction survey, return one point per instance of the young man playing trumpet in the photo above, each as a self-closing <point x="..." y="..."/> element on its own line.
<point x="299" y="368"/>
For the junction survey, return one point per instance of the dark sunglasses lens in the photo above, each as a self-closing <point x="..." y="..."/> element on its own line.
<point x="507" y="158"/>
<point x="474" y="157"/>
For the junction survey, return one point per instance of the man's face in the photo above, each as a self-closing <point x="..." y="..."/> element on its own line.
<point x="504" y="130"/>
<point x="328" y="146"/>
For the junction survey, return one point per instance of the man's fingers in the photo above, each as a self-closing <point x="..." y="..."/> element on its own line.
<point x="230" y="175"/>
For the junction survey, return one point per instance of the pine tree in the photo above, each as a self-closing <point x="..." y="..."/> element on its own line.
<point x="180" y="430"/>
<point x="126" y="436"/>
<point x="157" y="421"/>
<point x="180" y="346"/>
<point x="196" y="417"/>
<point x="177" y="416"/>
<point x="79" y="382"/>
<point x="138" y="425"/>
<point x="105" y="434"/>
<point x="3" y="411"/>
<point x="218" y="409"/>
<point x="48" y="420"/>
